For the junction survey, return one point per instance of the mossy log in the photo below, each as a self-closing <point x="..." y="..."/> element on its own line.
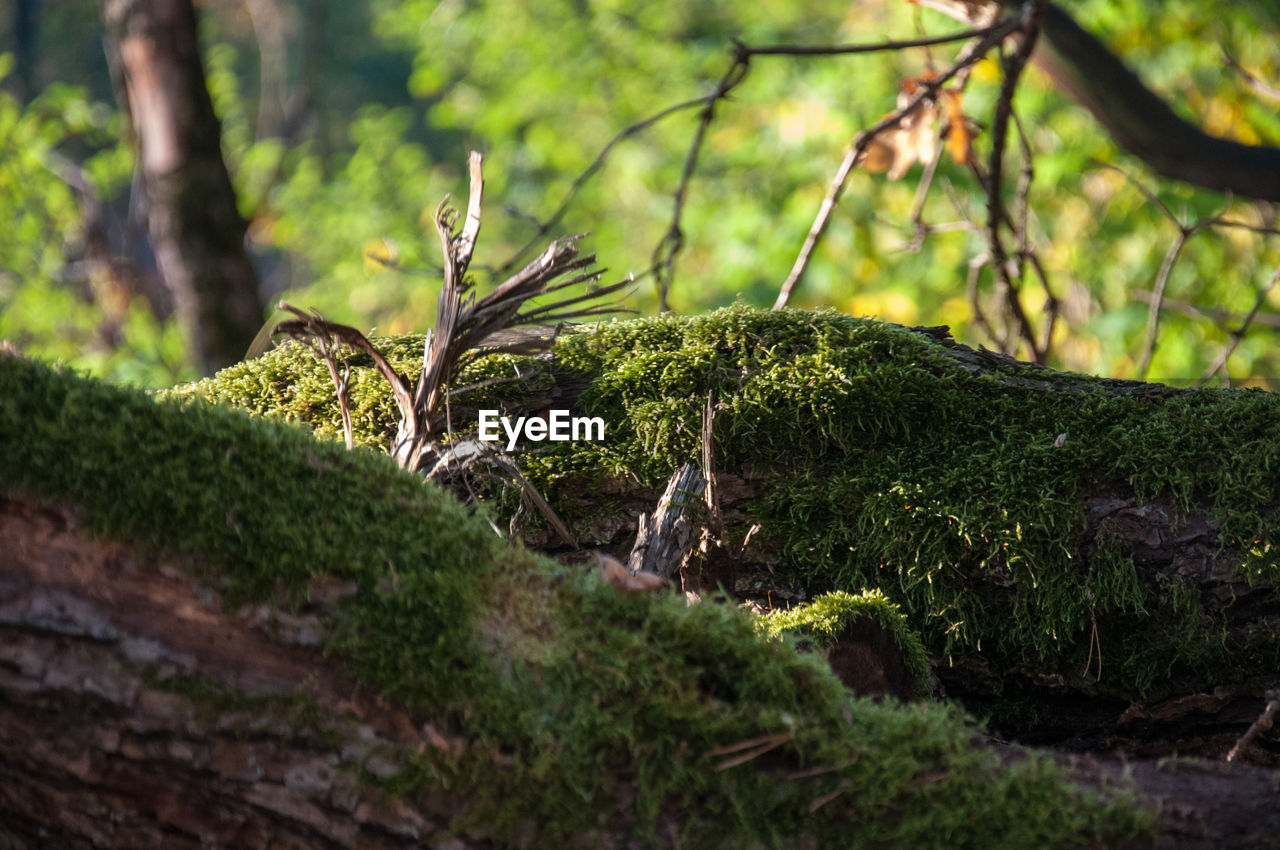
<point x="1091" y="562"/>
<point x="217" y="631"/>
<point x="220" y="631"/>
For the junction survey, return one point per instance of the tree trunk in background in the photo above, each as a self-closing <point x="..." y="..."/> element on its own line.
<point x="196" y="230"/>
<point x="26" y="38"/>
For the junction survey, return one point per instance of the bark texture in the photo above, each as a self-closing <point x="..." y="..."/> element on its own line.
<point x="197" y="232"/>
<point x="101" y="746"/>
<point x="95" y="752"/>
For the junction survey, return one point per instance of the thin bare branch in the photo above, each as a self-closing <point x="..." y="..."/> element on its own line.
<point x="1146" y="193"/>
<point x="1265" y="721"/>
<point x="1266" y="90"/>
<point x="532" y="494"/>
<point x="1026" y="252"/>
<point x="844" y="49"/>
<point x="596" y="164"/>
<point x="664" y="253"/>
<point x="1220" y="364"/>
<point x="1013" y="66"/>
<point x="972" y="52"/>
<point x="1153" y="314"/>
<point x="307" y="324"/>
<point x="1155" y="299"/>
<point x="319" y="335"/>
<point x="1221" y="318"/>
<point x="749" y="749"/>
<point x="462" y="457"/>
<point x="918" y="228"/>
<point x="976" y="265"/>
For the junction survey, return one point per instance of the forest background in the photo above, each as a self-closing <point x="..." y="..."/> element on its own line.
<point x="345" y="124"/>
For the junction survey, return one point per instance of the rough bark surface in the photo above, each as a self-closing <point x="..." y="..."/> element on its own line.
<point x="99" y="747"/>
<point x="196" y="230"/>
<point x="665" y="539"/>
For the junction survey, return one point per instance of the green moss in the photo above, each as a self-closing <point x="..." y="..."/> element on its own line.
<point x="899" y="469"/>
<point x="221" y="488"/>
<point x="577" y="708"/>
<point x="823" y="620"/>
<point x="291" y="384"/>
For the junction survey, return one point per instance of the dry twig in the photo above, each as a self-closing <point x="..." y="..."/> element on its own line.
<point x="750" y="749"/>
<point x="464" y="329"/>
<point x="664" y="253"/>
<point x="1264" y="721"/>
<point x="1252" y="80"/>
<point x="985" y="40"/>
<point x="1220" y="364"/>
<point x="1013" y="67"/>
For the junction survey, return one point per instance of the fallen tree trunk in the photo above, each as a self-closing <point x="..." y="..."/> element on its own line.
<point x="296" y="645"/>
<point x="1091" y="562"/>
<point x="136" y="715"/>
<point x="508" y="701"/>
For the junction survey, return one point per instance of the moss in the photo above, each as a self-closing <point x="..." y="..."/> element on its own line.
<point x="899" y="469"/>
<point x="290" y="384"/>
<point x="827" y="617"/>
<point x="220" y="488"/>
<point x="575" y="708"/>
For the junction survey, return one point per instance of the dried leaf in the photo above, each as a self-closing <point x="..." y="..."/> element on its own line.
<point x="959" y="138"/>
<point x="916" y="130"/>
<point x="913" y="140"/>
<point x="879" y="156"/>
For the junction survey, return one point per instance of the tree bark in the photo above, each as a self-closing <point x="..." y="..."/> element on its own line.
<point x="26" y="37"/>
<point x="196" y="230"/>
<point x="101" y="745"/>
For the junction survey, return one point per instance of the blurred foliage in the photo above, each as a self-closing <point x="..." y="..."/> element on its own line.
<point x="401" y="90"/>
<point x="54" y="301"/>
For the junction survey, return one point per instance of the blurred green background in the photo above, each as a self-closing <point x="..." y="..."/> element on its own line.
<point x="397" y="92"/>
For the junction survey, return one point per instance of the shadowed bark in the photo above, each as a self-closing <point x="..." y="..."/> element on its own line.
<point x="196" y="230"/>
<point x="103" y="744"/>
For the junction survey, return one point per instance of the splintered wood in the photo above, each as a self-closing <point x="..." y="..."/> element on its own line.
<point x="666" y="537"/>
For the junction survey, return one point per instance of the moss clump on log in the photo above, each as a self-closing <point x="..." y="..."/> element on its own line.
<point x="568" y="708"/>
<point x="834" y="616"/>
<point x="882" y="458"/>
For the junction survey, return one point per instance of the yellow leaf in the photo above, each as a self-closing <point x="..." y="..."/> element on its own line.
<point x="959" y="139"/>
<point x="381" y="253"/>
